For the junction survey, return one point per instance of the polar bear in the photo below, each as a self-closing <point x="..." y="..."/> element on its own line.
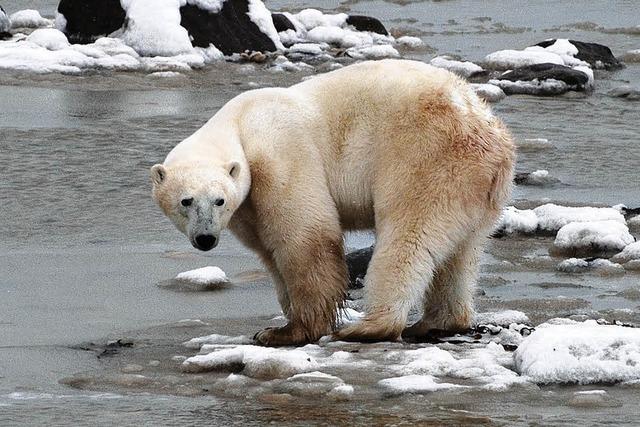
<point x="397" y="146"/>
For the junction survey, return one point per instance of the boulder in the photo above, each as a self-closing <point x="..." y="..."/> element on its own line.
<point x="367" y="23"/>
<point x="281" y="22"/>
<point x="543" y="79"/>
<point x="84" y="21"/>
<point x="230" y="30"/>
<point x="357" y="263"/>
<point x="597" y="55"/>
<point x="5" y="25"/>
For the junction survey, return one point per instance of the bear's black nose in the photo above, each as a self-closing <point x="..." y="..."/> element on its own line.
<point x="204" y="242"/>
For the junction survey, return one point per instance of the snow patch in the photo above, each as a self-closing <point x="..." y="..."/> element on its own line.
<point x="204" y="276"/>
<point x="415" y="384"/>
<point x="29" y="18"/>
<point x="49" y="39"/>
<point x="213" y="339"/>
<point x="581" y="353"/>
<point x="580" y="265"/>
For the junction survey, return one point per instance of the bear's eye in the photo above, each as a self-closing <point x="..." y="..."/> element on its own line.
<point x="187" y="201"/>
<point x="219" y="202"/>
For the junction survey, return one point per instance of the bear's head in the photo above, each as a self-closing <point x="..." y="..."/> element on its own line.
<point x="198" y="199"/>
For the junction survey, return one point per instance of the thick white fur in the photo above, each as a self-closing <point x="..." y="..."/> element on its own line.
<point x="398" y="146"/>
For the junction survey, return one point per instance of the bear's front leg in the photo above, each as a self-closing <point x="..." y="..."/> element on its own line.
<point x="316" y="280"/>
<point x="299" y="226"/>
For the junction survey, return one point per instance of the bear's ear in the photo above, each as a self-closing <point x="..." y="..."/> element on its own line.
<point x="234" y="169"/>
<point x="158" y="174"/>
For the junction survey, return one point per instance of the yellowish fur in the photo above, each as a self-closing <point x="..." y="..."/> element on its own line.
<point x="394" y="145"/>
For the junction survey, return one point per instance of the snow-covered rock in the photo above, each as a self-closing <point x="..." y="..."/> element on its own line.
<point x="514" y="220"/>
<point x="593" y="237"/>
<point x="49" y="39"/>
<point x="581" y="265"/>
<point x="581" y="353"/>
<point x="409" y="41"/>
<point x="573" y="52"/>
<point x="461" y="68"/>
<point x="545" y="79"/>
<point x="539" y="178"/>
<point x="629" y="253"/>
<point x="627" y="92"/>
<point x="488" y="92"/>
<point x="29" y="18"/>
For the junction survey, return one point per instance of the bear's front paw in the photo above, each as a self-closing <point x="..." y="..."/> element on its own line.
<point x="285" y="336"/>
<point x="369" y="331"/>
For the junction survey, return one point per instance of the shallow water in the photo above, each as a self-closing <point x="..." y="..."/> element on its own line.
<point x="83" y="246"/>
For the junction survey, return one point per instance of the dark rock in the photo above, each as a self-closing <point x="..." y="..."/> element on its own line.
<point x="357" y="263"/>
<point x="5" y="25"/>
<point x="547" y="71"/>
<point x="597" y="55"/>
<point x="281" y="22"/>
<point x="89" y="20"/>
<point x="230" y="30"/>
<point x="630" y="212"/>
<point x="367" y="23"/>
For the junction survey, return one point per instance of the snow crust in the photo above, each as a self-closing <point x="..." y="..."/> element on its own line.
<point x="462" y="68"/>
<point x="581" y="353"/>
<point x="29" y="18"/>
<point x="505" y="317"/>
<point x="552" y="217"/>
<point x="415" y="384"/>
<point x="254" y="361"/>
<point x="204" y="276"/>
<point x="607" y="235"/>
<point x="509" y="59"/>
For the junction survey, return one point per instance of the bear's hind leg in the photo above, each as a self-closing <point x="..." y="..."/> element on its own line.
<point x="448" y="304"/>
<point x="408" y="250"/>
